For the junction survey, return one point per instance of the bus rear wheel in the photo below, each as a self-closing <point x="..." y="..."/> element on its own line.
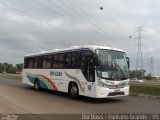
<point x="36" y="85"/>
<point x="73" y="90"/>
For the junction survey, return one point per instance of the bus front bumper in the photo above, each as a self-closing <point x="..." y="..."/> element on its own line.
<point x="102" y="92"/>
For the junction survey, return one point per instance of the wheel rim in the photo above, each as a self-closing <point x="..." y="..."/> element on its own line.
<point x="74" y="89"/>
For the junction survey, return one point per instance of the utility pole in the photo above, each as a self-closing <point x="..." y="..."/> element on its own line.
<point x="151" y="67"/>
<point x="139" y="60"/>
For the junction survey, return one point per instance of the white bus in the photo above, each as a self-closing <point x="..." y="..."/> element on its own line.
<point x="92" y="71"/>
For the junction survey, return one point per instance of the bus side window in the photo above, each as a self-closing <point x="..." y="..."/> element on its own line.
<point x="30" y="62"/>
<point x="68" y="60"/>
<point x="71" y="60"/>
<point x="61" y="61"/>
<point x="74" y="60"/>
<point x="35" y="62"/>
<point x="47" y="61"/>
<point x="78" y="59"/>
<point x="55" y="61"/>
<point x="25" y="62"/>
<point x="39" y="62"/>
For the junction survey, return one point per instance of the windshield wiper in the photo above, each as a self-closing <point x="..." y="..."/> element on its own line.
<point x="112" y="73"/>
<point x="124" y="77"/>
<point x="121" y="71"/>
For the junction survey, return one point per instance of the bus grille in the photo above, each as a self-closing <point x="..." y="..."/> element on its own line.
<point x="116" y="86"/>
<point x="115" y="93"/>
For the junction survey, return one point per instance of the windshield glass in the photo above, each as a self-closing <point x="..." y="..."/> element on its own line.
<point x="112" y="65"/>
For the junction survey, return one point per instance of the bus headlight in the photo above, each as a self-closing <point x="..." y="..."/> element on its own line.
<point x="102" y="84"/>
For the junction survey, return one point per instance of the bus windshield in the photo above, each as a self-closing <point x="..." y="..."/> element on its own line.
<point x="112" y="65"/>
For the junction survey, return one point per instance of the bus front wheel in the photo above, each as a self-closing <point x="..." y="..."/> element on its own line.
<point x="73" y="90"/>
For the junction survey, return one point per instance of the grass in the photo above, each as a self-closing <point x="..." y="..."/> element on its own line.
<point x="152" y="81"/>
<point x="11" y="76"/>
<point x="148" y="90"/>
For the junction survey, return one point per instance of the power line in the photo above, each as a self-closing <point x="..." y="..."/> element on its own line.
<point x="102" y="32"/>
<point x="40" y="20"/>
<point x="114" y="21"/>
<point x="109" y="16"/>
<point x="51" y="25"/>
<point x="97" y="32"/>
<point x="95" y="17"/>
<point x="98" y="21"/>
<point x="73" y="10"/>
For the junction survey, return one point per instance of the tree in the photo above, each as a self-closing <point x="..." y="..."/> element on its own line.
<point x="19" y="67"/>
<point x="138" y="74"/>
<point x="7" y="68"/>
<point x="148" y="77"/>
<point x="0" y="67"/>
<point x="11" y="70"/>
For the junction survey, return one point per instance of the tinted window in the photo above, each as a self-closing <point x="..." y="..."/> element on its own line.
<point x="58" y="60"/>
<point x="55" y="61"/>
<point x="78" y="59"/>
<point x="74" y="60"/>
<point x="61" y="61"/>
<point x="25" y="62"/>
<point x="68" y="60"/>
<point x="35" y="62"/>
<point x="47" y="60"/>
<point x="39" y="61"/>
<point x="29" y="62"/>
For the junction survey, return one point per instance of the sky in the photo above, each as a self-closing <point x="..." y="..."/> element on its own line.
<point x="31" y="26"/>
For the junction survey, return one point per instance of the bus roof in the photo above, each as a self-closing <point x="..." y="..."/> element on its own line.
<point x="74" y="48"/>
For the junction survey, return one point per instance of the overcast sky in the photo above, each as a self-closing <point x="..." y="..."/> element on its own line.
<point x="30" y="26"/>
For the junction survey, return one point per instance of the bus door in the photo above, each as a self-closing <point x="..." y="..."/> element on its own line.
<point x="88" y="71"/>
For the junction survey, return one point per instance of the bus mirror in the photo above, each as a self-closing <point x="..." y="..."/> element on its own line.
<point x="128" y="62"/>
<point x="95" y="60"/>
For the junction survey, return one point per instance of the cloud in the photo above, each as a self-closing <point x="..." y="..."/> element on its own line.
<point x="62" y="24"/>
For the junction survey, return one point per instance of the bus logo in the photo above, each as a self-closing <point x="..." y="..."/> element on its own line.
<point x="55" y="73"/>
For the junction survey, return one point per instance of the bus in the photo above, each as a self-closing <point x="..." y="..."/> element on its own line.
<point x="92" y="71"/>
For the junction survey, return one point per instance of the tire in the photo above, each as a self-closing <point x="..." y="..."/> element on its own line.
<point x="73" y="90"/>
<point x="36" y="85"/>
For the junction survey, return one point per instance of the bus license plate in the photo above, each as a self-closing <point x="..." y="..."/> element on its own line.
<point x="117" y="90"/>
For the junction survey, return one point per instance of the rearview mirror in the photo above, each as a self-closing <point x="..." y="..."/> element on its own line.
<point x="95" y="60"/>
<point x="128" y="62"/>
